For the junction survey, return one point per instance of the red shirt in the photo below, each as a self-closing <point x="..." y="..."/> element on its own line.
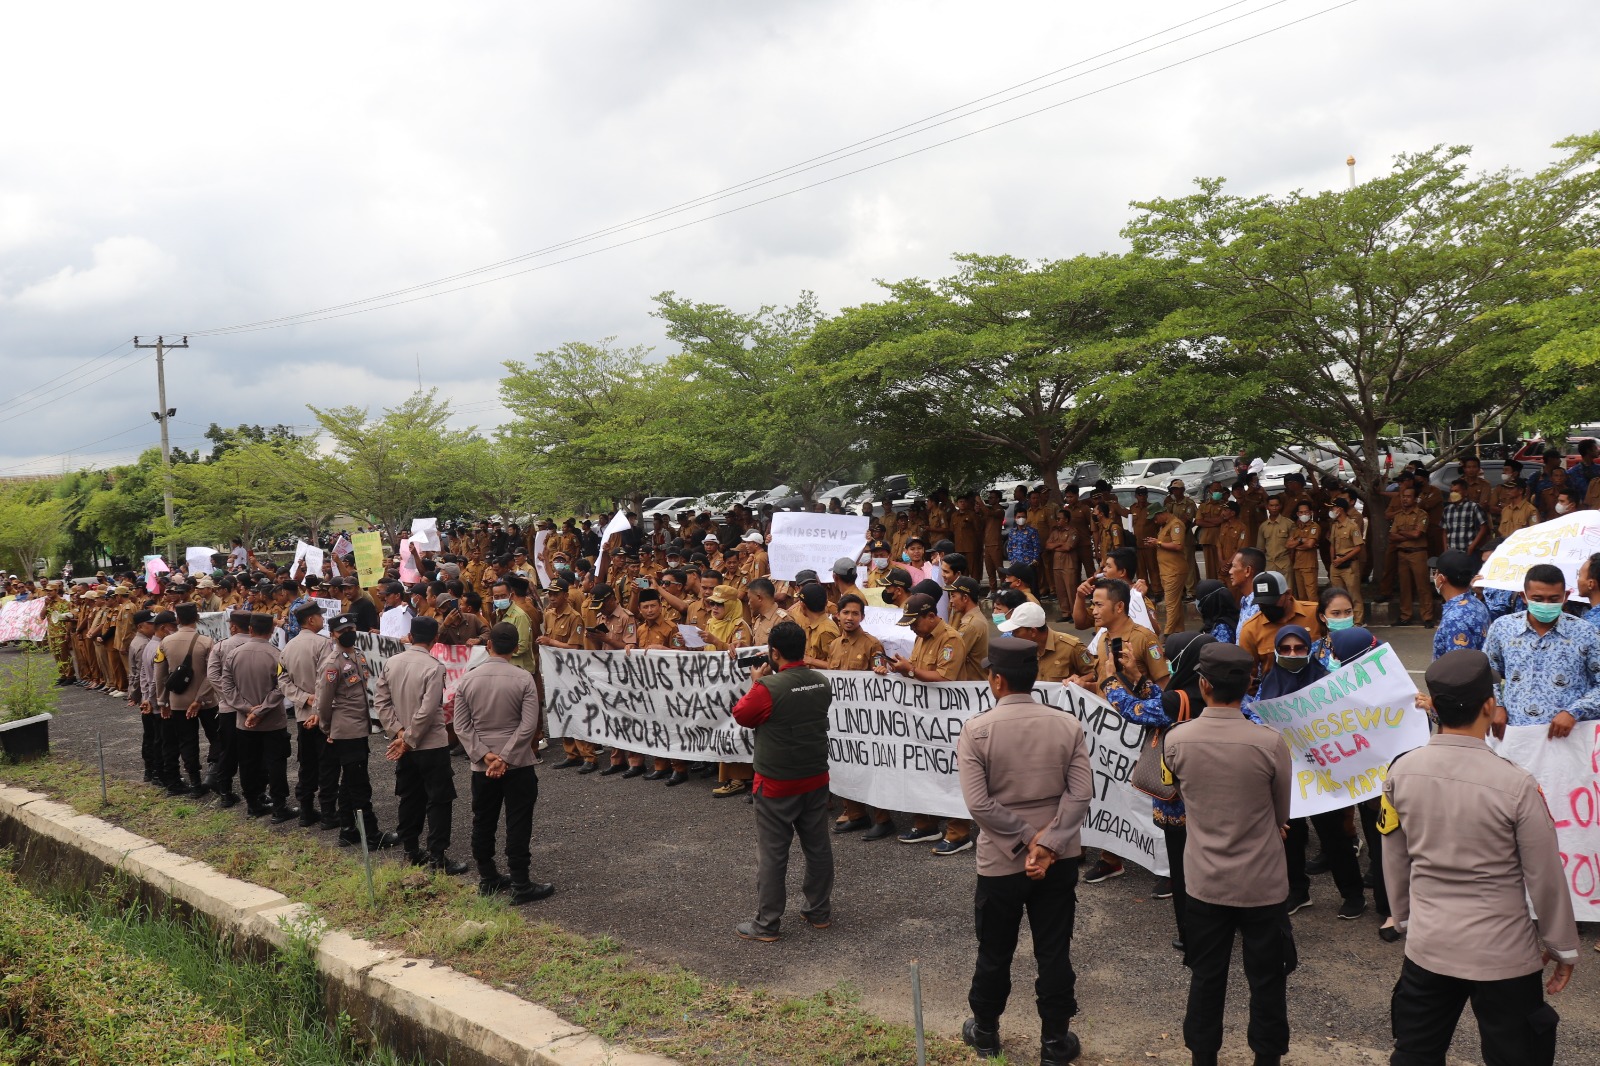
<point x="753" y="708"/>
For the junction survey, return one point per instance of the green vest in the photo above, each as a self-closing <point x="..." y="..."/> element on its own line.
<point x="793" y="742"/>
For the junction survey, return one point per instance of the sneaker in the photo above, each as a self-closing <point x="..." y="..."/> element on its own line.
<point x="1299" y="903"/>
<point x="1163" y="888"/>
<point x="730" y="788"/>
<point x="1351" y="909"/>
<point x="748" y="931"/>
<point x="953" y="847"/>
<point x="921" y="836"/>
<point x="1102" y="871"/>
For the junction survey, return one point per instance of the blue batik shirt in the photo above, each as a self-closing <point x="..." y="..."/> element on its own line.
<point x="1247" y="610"/>
<point x="1022" y="545"/>
<point x="1463" y="623"/>
<point x="1546" y="673"/>
<point x="1502" y="602"/>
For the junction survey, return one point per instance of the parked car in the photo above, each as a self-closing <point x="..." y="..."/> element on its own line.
<point x="1083" y="475"/>
<point x="666" y="510"/>
<point x="1494" y="472"/>
<point x="1196" y="474"/>
<point x="1531" y="451"/>
<point x="1146" y="471"/>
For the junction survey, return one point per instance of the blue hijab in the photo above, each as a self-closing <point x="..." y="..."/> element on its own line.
<point x="1351" y="644"/>
<point x="1281" y="682"/>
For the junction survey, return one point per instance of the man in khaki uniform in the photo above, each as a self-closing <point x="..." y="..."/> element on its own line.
<point x="1272" y="537"/>
<point x="856" y="649"/>
<point x="1408" y="531"/>
<point x="1170" y="544"/>
<point x="1208" y="517"/>
<point x="970" y="621"/>
<point x="181" y="711"/>
<point x="966" y="528"/>
<point x="497" y="719"/>
<point x="1468" y="844"/>
<point x="993" y="511"/>
<point x="1344" y="560"/>
<point x="1060" y="656"/>
<point x="1178" y="503"/>
<point x="1303" y="542"/>
<point x="938" y="655"/>
<point x="1231" y="535"/>
<point x="563" y="628"/>
<point x="1145" y="525"/>
<point x="1080" y="516"/>
<point x="1515" y="511"/>
<point x="302" y="665"/>
<point x="1025" y="776"/>
<point x="655" y="631"/>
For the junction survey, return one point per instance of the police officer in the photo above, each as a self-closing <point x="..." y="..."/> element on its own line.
<point x="342" y="712"/>
<point x="1025" y="776"/>
<point x="302" y="665"/>
<point x="1344" y="555"/>
<point x="150" y="743"/>
<point x="1468" y="843"/>
<point x="497" y="719"/>
<point x="249" y="680"/>
<point x="410" y="704"/>
<point x="184" y="694"/>
<point x="1235" y="779"/>
<point x="227" y="764"/>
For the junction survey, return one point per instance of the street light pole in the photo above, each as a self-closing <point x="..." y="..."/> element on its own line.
<point x="161" y="346"/>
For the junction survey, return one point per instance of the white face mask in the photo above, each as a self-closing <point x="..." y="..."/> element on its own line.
<point x="1304" y="517"/>
<point x="1563" y="508"/>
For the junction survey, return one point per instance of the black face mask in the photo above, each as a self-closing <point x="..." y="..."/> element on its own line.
<point x="347" y="638"/>
<point x="1274" y="613"/>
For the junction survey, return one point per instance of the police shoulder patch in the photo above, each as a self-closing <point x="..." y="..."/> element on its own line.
<point x="331" y="674"/>
<point x="1388" y="817"/>
<point x="161" y="655"/>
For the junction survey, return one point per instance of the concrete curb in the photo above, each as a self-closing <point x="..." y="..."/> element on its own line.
<point x="415" y="1006"/>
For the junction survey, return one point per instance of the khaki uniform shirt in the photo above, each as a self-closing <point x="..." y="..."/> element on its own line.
<point x="342" y="694"/>
<point x="1062" y="656"/>
<point x="974" y="629"/>
<point x="410" y="698"/>
<point x="1273" y="539"/>
<point x="761" y="625"/>
<point x="1145" y="646"/>
<point x="214" y="662"/>
<point x="1171" y="528"/>
<point x="1235" y="779"/>
<point x="1515" y="516"/>
<point x="1466" y="833"/>
<point x="1345" y="537"/>
<point x="1211" y="510"/>
<point x="1304" y="553"/>
<point x="1024" y="771"/>
<point x="658" y="634"/>
<point x="1231" y="536"/>
<point x="174" y="649"/>
<point x="302" y="660"/>
<point x="1410" y="520"/>
<point x="1478" y="491"/>
<point x="1186" y="510"/>
<point x="250" y="679"/>
<point x="941" y="651"/>
<point x="856" y="651"/>
<point x="565" y="625"/>
<point x="821" y="632"/>
<point x="497" y="710"/>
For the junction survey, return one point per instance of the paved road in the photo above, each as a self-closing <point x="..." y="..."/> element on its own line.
<point x="668" y="872"/>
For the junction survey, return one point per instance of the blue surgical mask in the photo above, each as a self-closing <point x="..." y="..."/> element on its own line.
<point x="905" y="557"/>
<point x="1216" y="495"/>
<point x="997" y="617"/>
<point x="880" y="564"/>
<point x="1545" y="612"/>
<point x="1336" y="624"/>
<point x="501" y="605"/>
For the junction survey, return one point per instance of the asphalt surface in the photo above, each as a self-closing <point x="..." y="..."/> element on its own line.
<point x="669" y="873"/>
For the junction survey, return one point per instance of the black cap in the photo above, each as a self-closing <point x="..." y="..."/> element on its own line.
<point x="165" y="618"/>
<point x="342" y="621"/>
<point x="877" y="546"/>
<point x="1141" y="490"/>
<point x="803" y="576"/>
<point x="1023" y="572"/>
<point x="1269" y="588"/>
<point x="966" y="584"/>
<point x="560" y="584"/>
<point x="141" y="617"/>
<point x="815" y="597"/>
<point x="1007" y="653"/>
<point x="928" y="587"/>
<point x="944" y="547"/>
<point x="1457" y="567"/>
<point x="306" y="610"/>
<point x="898" y="576"/>
<point x="916" y="607"/>
<point x="1227" y="664"/>
<point x="598" y="594"/>
<point x="394" y="588"/>
<point x="1460" y="681"/>
<point x="914" y="539"/>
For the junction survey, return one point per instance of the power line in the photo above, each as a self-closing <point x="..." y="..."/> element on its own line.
<point x="74" y="386"/>
<point x="26" y="395"/>
<point x="927" y="123"/>
<point x="278" y="324"/>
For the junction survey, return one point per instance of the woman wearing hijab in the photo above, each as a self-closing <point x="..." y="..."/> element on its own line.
<point x="725" y="629"/>
<point x="1336" y="611"/>
<point x="1152" y="705"/>
<point x="1219" y="611"/>
<point x="1349" y="645"/>
<point x="1293" y="669"/>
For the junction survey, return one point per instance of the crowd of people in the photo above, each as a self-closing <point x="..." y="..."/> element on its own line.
<point x="974" y="593"/>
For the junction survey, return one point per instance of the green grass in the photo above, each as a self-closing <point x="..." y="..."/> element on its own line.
<point x="594" y="982"/>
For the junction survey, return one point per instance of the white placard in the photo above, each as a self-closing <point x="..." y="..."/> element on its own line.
<point x="539" y="540"/>
<point x="198" y="560"/>
<point x="691" y="637"/>
<point x="310" y="554"/>
<point x="1344" y="730"/>
<point x="1568" y="770"/>
<point x="1567" y="541"/>
<point x="803" y="540"/>
<point x="619" y="524"/>
<point x="425" y="534"/>
<point x="892" y="741"/>
<point x="883" y="623"/>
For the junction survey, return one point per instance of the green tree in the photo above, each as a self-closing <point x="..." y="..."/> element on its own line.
<point x="1004" y="366"/>
<point x="1326" y="318"/>
<point x="124" y="513"/>
<point x="32" y="528"/>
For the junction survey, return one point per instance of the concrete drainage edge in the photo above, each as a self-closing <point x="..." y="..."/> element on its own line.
<point x="414" y="1006"/>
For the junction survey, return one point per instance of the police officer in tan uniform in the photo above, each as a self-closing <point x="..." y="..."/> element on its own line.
<point x="249" y="682"/>
<point x="1408" y="531"/>
<point x="938" y="655"/>
<point x="188" y="651"/>
<point x="342" y="711"/>
<point x="1468" y="843"/>
<point x="302" y="665"/>
<point x="1344" y="560"/>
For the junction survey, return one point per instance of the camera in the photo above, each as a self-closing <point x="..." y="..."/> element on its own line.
<point x="751" y="658"/>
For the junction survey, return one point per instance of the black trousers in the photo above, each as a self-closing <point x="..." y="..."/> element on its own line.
<point x="426" y="787"/>
<point x="1336" y="845"/>
<point x="150" y="743"/>
<point x="1176" y="836"/>
<point x="208" y="726"/>
<point x="516" y="792"/>
<point x="1052" y="906"/>
<point x="310" y="786"/>
<point x="180" y="741"/>
<point x="1269" y="958"/>
<point x="264" y="765"/>
<point x="227" y="747"/>
<point x="1516" y="1027"/>
<point x="1369" y="813"/>
<point x="343" y="773"/>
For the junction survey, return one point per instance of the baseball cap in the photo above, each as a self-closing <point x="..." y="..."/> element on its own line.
<point x="916" y="607"/>
<point x="844" y="567"/>
<point x="754" y="537"/>
<point x="803" y="576"/>
<point x="943" y="547"/>
<point x="1269" y="588"/>
<point x="1029" y="616"/>
<point x="899" y="577"/>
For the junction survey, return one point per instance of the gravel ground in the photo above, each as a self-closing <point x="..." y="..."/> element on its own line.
<point x="668" y="872"/>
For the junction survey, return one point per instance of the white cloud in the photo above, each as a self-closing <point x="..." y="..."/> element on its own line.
<point x="121" y="267"/>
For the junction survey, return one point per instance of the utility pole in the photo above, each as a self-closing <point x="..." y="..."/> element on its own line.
<point x="1350" y="161"/>
<point x="162" y="347"/>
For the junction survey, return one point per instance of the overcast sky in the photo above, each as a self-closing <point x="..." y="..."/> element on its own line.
<point x="183" y="167"/>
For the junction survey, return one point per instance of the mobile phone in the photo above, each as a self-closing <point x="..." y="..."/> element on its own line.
<point x="641" y="582"/>
<point x="1116" y="649"/>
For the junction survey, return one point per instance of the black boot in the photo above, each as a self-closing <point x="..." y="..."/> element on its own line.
<point x="227" y="799"/>
<point x="391" y="839"/>
<point x="447" y="864"/>
<point x="1059" y="1050"/>
<point x="491" y="881"/>
<point x="530" y="892"/>
<point x="309" y="816"/>
<point x="284" y="813"/>
<point x="678" y="777"/>
<point x="986" y="1042"/>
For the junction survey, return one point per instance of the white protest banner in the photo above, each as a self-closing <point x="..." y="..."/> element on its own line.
<point x="23" y="620"/>
<point x="457" y="660"/>
<point x="539" y="568"/>
<point x="1568" y="770"/>
<point x="425" y="534"/>
<point x="619" y="524"/>
<point x="309" y="554"/>
<point x="892" y="741"/>
<point x="342" y="547"/>
<point x="802" y="540"/>
<point x="330" y="608"/>
<point x="884" y="623"/>
<point x="1567" y="542"/>
<point x="198" y="560"/>
<point x="1344" y="730"/>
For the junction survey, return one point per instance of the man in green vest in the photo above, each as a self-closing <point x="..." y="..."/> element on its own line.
<point x="787" y="706"/>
